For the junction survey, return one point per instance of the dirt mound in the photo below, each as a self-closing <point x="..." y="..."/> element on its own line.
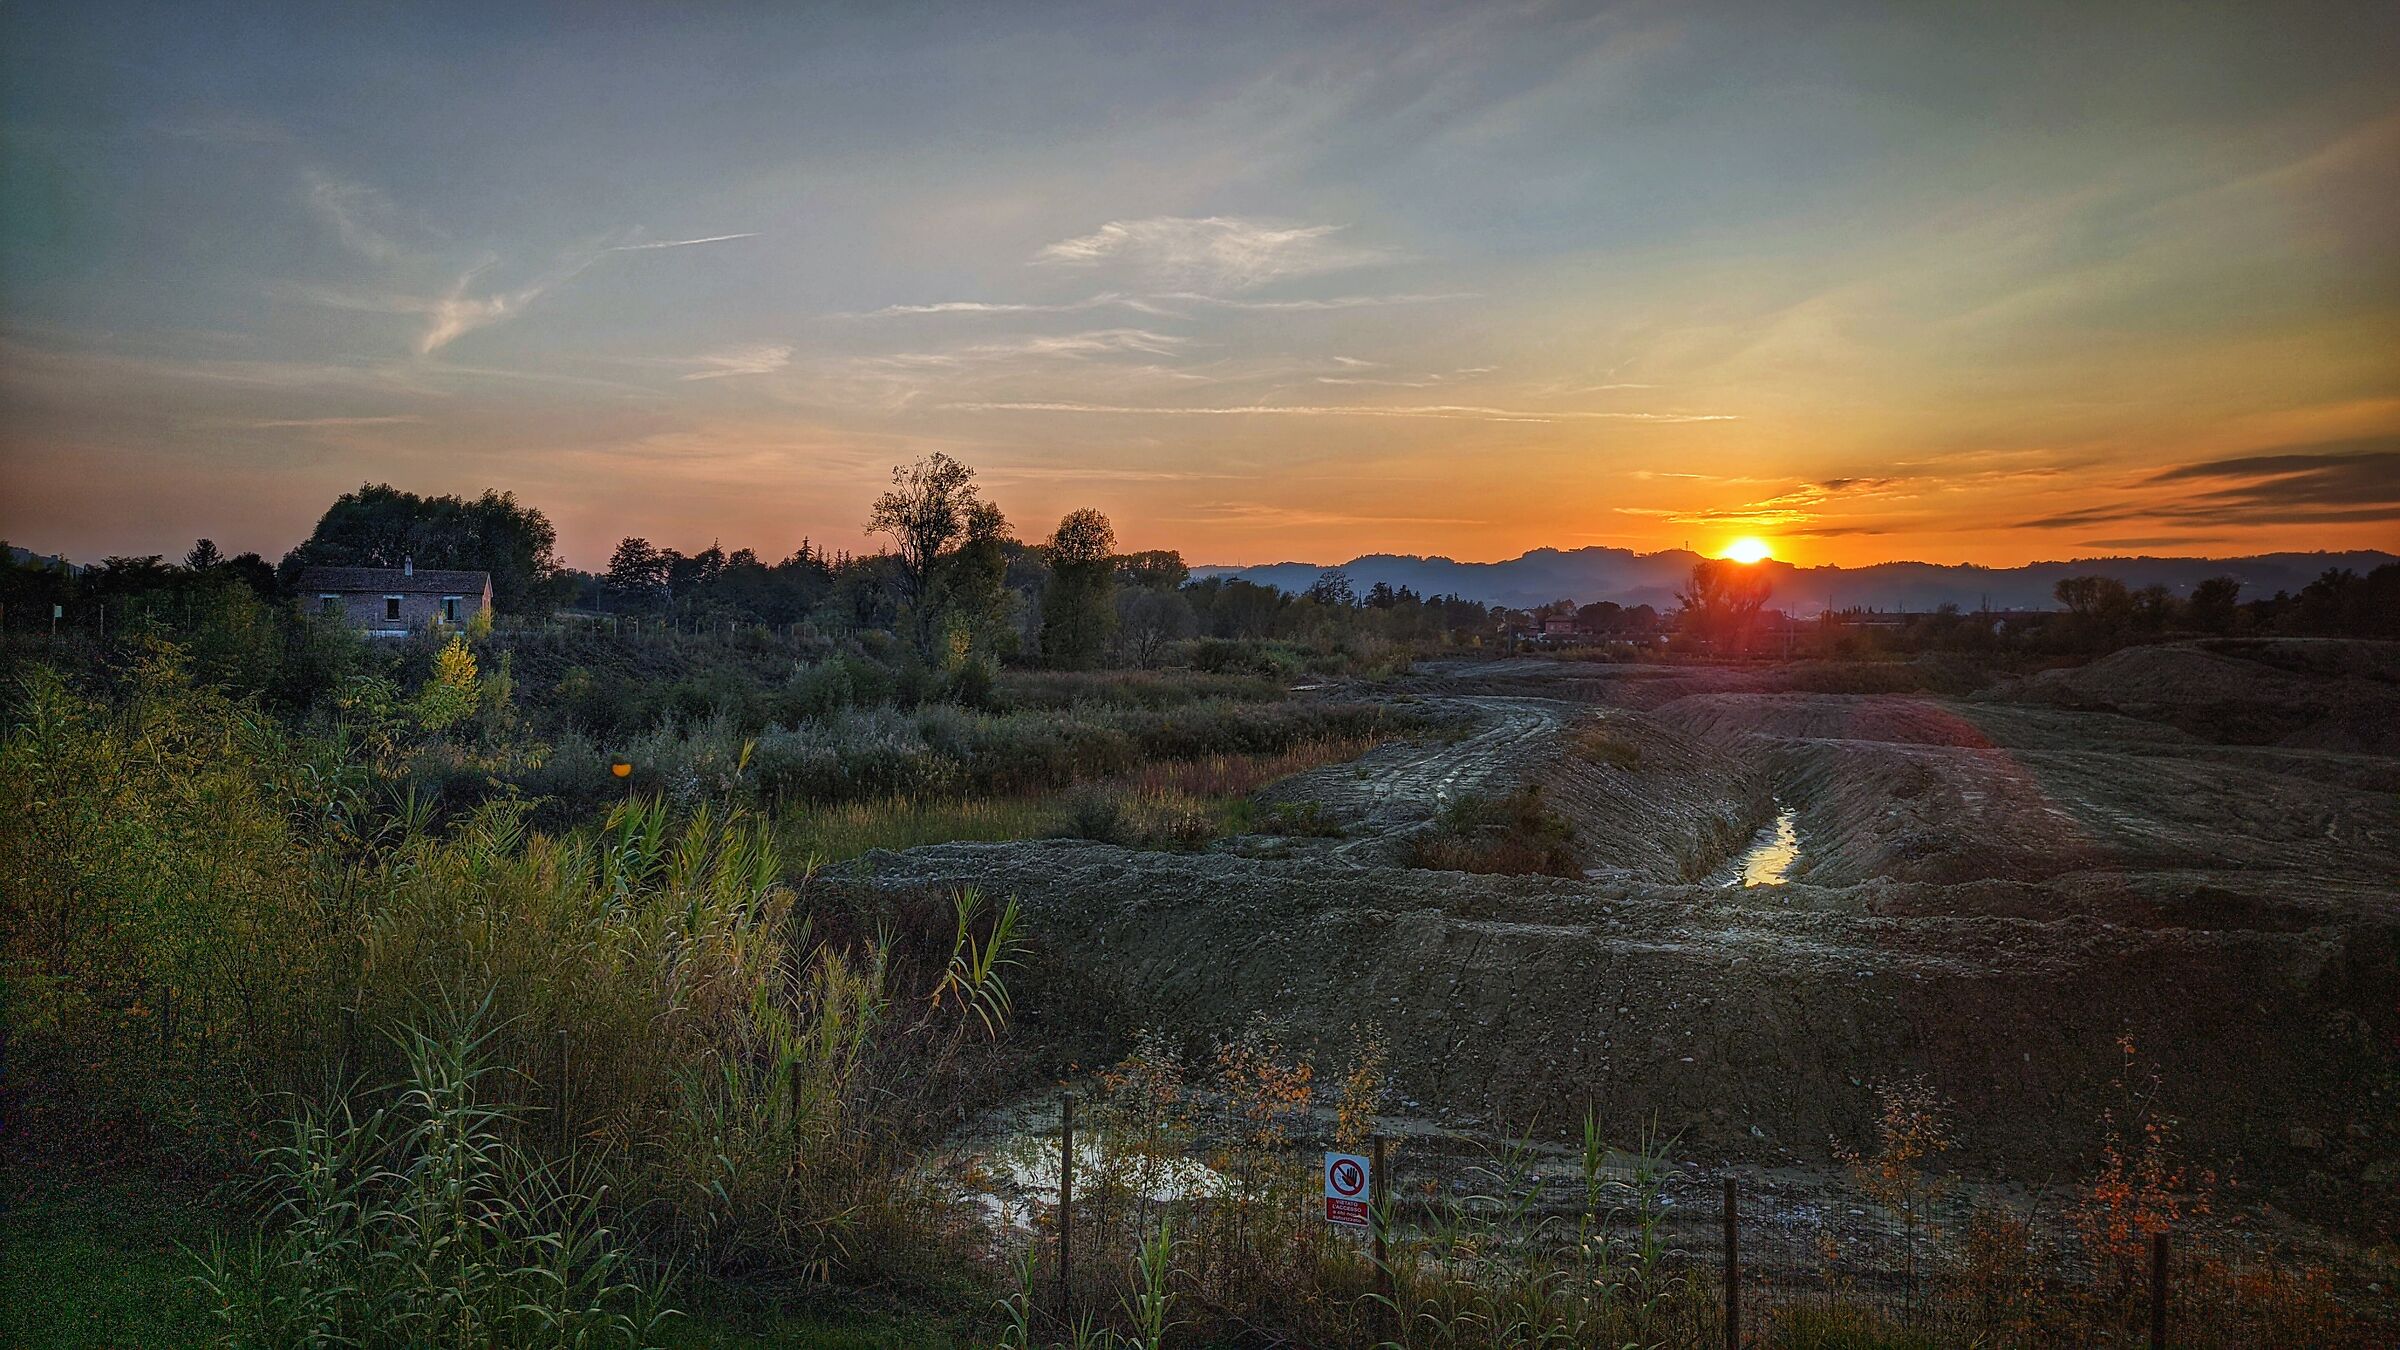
<point x="1990" y="892"/>
<point x="1753" y="1029"/>
<point x="2323" y="694"/>
<point x="1643" y="799"/>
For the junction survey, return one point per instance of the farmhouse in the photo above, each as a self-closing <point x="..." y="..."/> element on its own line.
<point x="393" y="602"/>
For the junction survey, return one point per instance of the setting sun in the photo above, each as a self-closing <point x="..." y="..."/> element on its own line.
<point x="1748" y="550"/>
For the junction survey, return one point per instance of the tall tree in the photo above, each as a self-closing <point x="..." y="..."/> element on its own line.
<point x="925" y="510"/>
<point x="1079" y="604"/>
<point x="382" y="526"/>
<point x="637" y="573"/>
<point x="1723" y="598"/>
<point x="971" y="584"/>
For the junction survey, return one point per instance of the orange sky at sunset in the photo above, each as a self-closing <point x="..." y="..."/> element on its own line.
<point x="1981" y="287"/>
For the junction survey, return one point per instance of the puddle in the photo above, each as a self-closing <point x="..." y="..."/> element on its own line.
<point x="1008" y="1168"/>
<point x="1770" y="856"/>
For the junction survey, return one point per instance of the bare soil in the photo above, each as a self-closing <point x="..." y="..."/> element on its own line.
<point x="1990" y="891"/>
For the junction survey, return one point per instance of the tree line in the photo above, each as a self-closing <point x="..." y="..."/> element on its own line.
<point x="954" y="582"/>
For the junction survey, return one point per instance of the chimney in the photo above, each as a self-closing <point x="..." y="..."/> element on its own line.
<point x="408" y="566"/>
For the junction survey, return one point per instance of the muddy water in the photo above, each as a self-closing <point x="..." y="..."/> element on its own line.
<point x="1769" y="858"/>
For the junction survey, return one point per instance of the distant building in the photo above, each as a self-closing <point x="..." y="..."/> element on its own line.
<point x="394" y="602"/>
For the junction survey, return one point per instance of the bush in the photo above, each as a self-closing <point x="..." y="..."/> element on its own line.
<point x="1096" y="813"/>
<point x="422" y="1225"/>
<point x="1513" y="835"/>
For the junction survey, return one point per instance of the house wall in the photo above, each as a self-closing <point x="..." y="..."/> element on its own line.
<point x="365" y="610"/>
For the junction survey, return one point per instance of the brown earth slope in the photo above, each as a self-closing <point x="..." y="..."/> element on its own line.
<point x="1991" y="892"/>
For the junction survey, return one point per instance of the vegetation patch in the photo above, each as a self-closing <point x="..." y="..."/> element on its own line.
<point x="1600" y="745"/>
<point x="1514" y="835"/>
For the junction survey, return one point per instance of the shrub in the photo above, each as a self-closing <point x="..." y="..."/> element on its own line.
<point x="420" y="1224"/>
<point x="1513" y="835"/>
<point x="1096" y="813"/>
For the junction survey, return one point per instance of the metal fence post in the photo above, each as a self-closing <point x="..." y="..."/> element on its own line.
<point x="2158" y="1291"/>
<point x="1733" y="1268"/>
<point x="1066" y="1201"/>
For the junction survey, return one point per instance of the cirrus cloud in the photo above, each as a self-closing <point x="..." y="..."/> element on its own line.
<point x="1211" y="254"/>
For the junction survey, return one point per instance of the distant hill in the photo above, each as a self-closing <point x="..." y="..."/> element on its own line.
<point x="1585" y="575"/>
<point x="25" y="557"/>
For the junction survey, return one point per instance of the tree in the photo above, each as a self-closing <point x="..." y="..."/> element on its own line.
<point x="450" y="693"/>
<point x="1600" y="616"/>
<point x="1078" y="606"/>
<point x="1332" y="588"/>
<point x="2215" y="604"/>
<point x="925" y="510"/>
<point x="637" y="573"/>
<point x="381" y="526"/>
<point x="2093" y="597"/>
<point x="204" y="556"/>
<point x="1148" y="620"/>
<point x="1723" y="598"/>
<point x="1158" y="569"/>
<point x="971" y="584"/>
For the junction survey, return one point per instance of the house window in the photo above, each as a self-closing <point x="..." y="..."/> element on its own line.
<point x="391" y="608"/>
<point x="450" y="609"/>
<point x="329" y="604"/>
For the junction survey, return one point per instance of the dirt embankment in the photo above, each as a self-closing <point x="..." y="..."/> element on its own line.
<point x="1752" y="1028"/>
<point x="1645" y="801"/>
<point x="1933" y="791"/>
<point x="1989" y="892"/>
<point x="2308" y="693"/>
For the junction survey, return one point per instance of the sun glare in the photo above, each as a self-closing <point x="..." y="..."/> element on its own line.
<point x="1748" y="550"/>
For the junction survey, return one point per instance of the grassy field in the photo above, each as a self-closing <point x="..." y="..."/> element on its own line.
<point x="110" y="1268"/>
<point x="1169" y="804"/>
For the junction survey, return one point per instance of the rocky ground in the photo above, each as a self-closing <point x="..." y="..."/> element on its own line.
<point x="1992" y="887"/>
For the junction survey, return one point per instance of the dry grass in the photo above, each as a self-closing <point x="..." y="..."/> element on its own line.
<point x="1167" y="804"/>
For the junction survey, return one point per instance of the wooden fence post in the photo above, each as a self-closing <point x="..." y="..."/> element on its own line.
<point x="1379" y="1213"/>
<point x="2158" y="1291"/>
<point x="1733" y="1268"/>
<point x="1066" y="1201"/>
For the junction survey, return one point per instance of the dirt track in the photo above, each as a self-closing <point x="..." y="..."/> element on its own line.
<point x="1990" y="892"/>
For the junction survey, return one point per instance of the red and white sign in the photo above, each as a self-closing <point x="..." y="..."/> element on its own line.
<point x="1347" y="1179"/>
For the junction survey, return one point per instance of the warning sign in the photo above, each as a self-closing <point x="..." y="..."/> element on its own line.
<point x="1346" y="1182"/>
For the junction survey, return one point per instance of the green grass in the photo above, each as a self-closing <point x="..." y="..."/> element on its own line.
<point x="100" y="1267"/>
<point x="109" y="1268"/>
<point x="844" y="831"/>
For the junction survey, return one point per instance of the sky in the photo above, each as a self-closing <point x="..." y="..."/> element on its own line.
<point x="1955" y="283"/>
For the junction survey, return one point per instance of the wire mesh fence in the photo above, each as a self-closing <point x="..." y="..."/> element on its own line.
<point x="1565" y="1245"/>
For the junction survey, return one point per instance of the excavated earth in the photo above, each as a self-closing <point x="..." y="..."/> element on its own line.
<point x="2192" y="846"/>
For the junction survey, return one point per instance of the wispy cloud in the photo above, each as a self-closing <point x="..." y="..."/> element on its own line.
<point x="1035" y="473"/>
<point x="1211" y="254"/>
<point x="1331" y="302"/>
<point x="1165" y="303"/>
<point x="681" y="243"/>
<point x="1099" y="342"/>
<point x="2334" y="482"/>
<point x="1798" y="510"/>
<point x="453" y="316"/>
<point x="329" y="423"/>
<point x="458" y="313"/>
<point x="1104" y="300"/>
<point x="358" y="214"/>
<point x="752" y="359"/>
<point x="1265" y="513"/>
<point x="1452" y="411"/>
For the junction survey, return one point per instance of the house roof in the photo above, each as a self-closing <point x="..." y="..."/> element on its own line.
<point x="390" y="581"/>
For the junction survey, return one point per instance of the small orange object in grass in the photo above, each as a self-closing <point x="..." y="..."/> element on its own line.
<point x="621" y="769"/>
